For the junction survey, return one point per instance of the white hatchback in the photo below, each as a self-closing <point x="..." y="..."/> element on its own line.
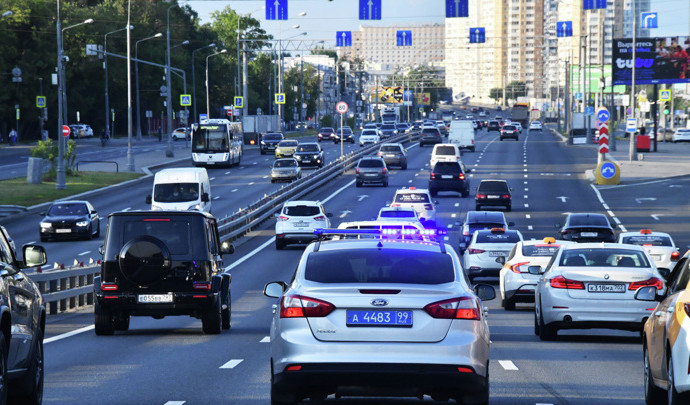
<point x="681" y="135"/>
<point x="420" y="200"/>
<point x="298" y="220"/>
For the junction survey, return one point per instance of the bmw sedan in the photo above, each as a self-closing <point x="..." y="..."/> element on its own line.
<point x="70" y="219"/>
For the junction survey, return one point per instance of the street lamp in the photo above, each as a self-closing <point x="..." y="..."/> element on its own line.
<point x="208" y="105"/>
<point x="136" y="79"/>
<point x="183" y="43"/>
<point x="6" y="14"/>
<point x="105" y="66"/>
<point x="60" y="183"/>
<point x="194" y="78"/>
<point x="168" y="94"/>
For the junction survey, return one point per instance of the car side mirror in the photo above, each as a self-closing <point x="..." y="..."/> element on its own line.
<point x="100" y="250"/>
<point x="501" y="259"/>
<point x="435" y="202"/>
<point x="511" y="223"/>
<point x="275" y="289"/>
<point x="227" y="248"/>
<point x="93" y="212"/>
<point x="204" y="197"/>
<point x="462" y="246"/>
<point x="485" y="292"/>
<point x="534" y="270"/>
<point x="648" y="293"/>
<point x="148" y="199"/>
<point x="34" y="255"/>
<point x="329" y="215"/>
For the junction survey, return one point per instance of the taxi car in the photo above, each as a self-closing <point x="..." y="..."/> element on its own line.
<point x="297" y="221"/>
<point x="659" y="245"/>
<point x="420" y="200"/>
<point x="349" y="312"/>
<point x="593" y="285"/>
<point x="666" y="339"/>
<point x="286" y="148"/>
<point x="486" y="249"/>
<point x="398" y="214"/>
<point x="516" y="283"/>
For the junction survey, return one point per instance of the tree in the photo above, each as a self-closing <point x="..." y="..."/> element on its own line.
<point x="496" y="94"/>
<point x="516" y="89"/>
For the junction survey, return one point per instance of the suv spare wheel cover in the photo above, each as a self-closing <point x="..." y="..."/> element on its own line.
<point x="144" y="259"/>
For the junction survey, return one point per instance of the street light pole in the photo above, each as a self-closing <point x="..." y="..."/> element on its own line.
<point x="136" y="80"/>
<point x="168" y="94"/>
<point x="105" y="66"/>
<point x="208" y="105"/>
<point x="196" y="117"/>
<point x="633" y="149"/>
<point x="130" y="155"/>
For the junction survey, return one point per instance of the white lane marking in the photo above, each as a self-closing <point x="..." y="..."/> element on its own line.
<point x="250" y="184"/>
<point x="126" y="209"/>
<point x="525" y="176"/>
<point x="639" y="200"/>
<point x="610" y="213"/>
<point x="453" y="215"/>
<point x="84" y="253"/>
<point x="266" y="339"/>
<point x="233" y="190"/>
<point x="526" y="189"/>
<point x="232" y="363"/>
<point x="526" y="196"/>
<point x="525" y="182"/>
<point x="606" y="206"/>
<point x="216" y="197"/>
<point x="265" y="177"/>
<point x="508" y="365"/>
<point x="457" y="204"/>
<point x="524" y="165"/>
<point x="526" y="205"/>
<point x="530" y="228"/>
<point x="445" y="238"/>
<point x="409" y="181"/>
<point x="343" y="214"/>
<point x="227" y="172"/>
<point x="656" y="216"/>
<point x="601" y="200"/>
<point x="528" y="216"/>
<point x="68" y="334"/>
<point x="563" y="199"/>
<point x="525" y="170"/>
<point x="212" y="178"/>
<point x="175" y="403"/>
<point x="450" y="226"/>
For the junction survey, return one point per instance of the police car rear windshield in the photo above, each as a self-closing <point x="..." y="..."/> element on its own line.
<point x="412" y="198"/>
<point x="505" y="237"/>
<point x="647" y="240"/>
<point x="540" y="250"/>
<point x="379" y="266"/>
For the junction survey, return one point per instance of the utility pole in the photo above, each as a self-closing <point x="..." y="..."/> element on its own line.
<point x="632" y="149"/>
<point x="245" y="80"/>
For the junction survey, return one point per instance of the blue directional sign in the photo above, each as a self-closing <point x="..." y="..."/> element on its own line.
<point x="203" y="117"/>
<point x="407" y="96"/>
<point x="603" y="115"/>
<point x="343" y="38"/>
<point x="608" y="170"/>
<point x="649" y="20"/>
<point x="403" y="38"/>
<point x="477" y="35"/>
<point x="369" y="9"/>
<point x="589" y="110"/>
<point x="578" y="96"/>
<point x="564" y="29"/>
<point x="457" y="8"/>
<point x="593" y="4"/>
<point x="276" y="9"/>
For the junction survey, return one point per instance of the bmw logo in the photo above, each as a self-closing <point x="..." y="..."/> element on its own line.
<point x="606" y="276"/>
<point x="379" y="302"/>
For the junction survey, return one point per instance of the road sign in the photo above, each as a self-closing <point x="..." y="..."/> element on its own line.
<point x="608" y="170"/>
<point x="631" y="125"/>
<point x="589" y="110"/>
<point x="578" y="96"/>
<point x="665" y="95"/>
<point x="403" y="38"/>
<point x="628" y="111"/>
<point x="343" y="38"/>
<point x="65" y="131"/>
<point x="407" y="95"/>
<point x="564" y="29"/>
<point x="457" y="8"/>
<point x="41" y="101"/>
<point x="280" y="98"/>
<point x="276" y="9"/>
<point x="603" y="114"/>
<point x="185" y="100"/>
<point x="228" y="112"/>
<point x="477" y="35"/>
<point x="649" y="20"/>
<point x="369" y="9"/>
<point x="593" y="4"/>
<point x="239" y="102"/>
<point x="341" y="107"/>
<point x="203" y="117"/>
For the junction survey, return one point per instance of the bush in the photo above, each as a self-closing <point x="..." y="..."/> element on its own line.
<point x="48" y="150"/>
<point x="327" y="121"/>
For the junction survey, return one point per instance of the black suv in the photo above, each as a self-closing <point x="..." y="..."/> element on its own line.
<point x="22" y="323"/>
<point x="493" y="193"/>
<point x="477" y="220"/>
<point x="509" y="131"/>
<point x="449" y="176"/>
<point x="159" y="264"/>
<point x="269" y="141"/>
<point x="309" y="154"/>
<point x="587" y="228"/>
<point x="493" y="126"/>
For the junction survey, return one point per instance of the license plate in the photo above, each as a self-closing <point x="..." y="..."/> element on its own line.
<point x="371" y="174"/>
<point x="656" y="257"/>
<point x="391" y="156"/>
<point x="301" y="224"/>
<point x="306" y="161"/>
<point x="606" y="288"/>
<point x="154" y="298"/>
<point x="492" y="196"/>
<point x="379" y="318"/>
<point x="588" y="234"/>
<point x="496" y="254"/>
<point x="63" y="230"/>
<point x="446" y="176"/>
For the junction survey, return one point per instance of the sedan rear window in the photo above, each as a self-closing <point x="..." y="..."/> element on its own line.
<point x="447" y="168"/>
<point x="433" y="131"/>
<point x="604" y="258"/>
<point x="301" y="211"/>
<point x="397" y="214"/>
<point x="509" y="127"/>
<point x="488" y="237"/>
<point x="390" y="148"/>
<point x="326" y="130"/>
<point x="647" y="240"/>
<point x="288" y="143"/>
<point x="379" y="266"/>
<point x="493" y="187"/>
<point x="485" y="225"/>
<point x="588" y="220"/>
<point x="370" y="132"/>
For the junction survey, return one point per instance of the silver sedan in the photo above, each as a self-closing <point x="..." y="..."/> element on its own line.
<point x="285" y="170"/>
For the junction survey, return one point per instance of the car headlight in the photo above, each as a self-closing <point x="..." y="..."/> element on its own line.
<point x="82" y="223"/>
<point x="194" y="207"/>
<point x="298" y="157"/>
<point x="263" y="143"/>
<point x="46" y="225"/>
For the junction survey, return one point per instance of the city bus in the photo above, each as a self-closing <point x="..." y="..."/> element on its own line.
<point x="217" y="142"/>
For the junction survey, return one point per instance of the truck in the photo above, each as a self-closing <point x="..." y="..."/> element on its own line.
<point x="255" y="125"/>
<point x="390" y="115"/>
<point x="520" y="113"/>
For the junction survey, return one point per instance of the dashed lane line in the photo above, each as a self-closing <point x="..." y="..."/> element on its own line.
<point x="508" y="365"/>
<point x="84" y="253"/>
<point x="68" y="334"/>
<point x="234" y="190"/>
<point x="232" y="363"/>
<point x="227" y="172"/>
<point x="603" y="203"/>
<point x="175" y="403"/>
<point x="530" y="228"/>
<point x="266" y="339"/>
<point x="528" y="216"/>
<point x="250" y="184"/>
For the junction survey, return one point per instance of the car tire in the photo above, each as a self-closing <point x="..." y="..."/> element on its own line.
<point x="546" y="332"/>
<point x="103" y="320"/>
<point x="536" y="324"/>
<point x="652" y="393"/>
<point x="211" y="320"/>
<point x="477" y="207"/>
<point x="226" y="314"/>
<point x="508" y="304"/>
<point x="385" y="183"/>
<point x="358" y="184"/>
<point x="121" y="323"/>
<point x="263" y="152"/>
<point x="433" y="193"/>
<point x="509" y="208"/>
<point x="89" y="235"/>
<point x="276" y="397"/>
<point x="44" y="239"/>
<point x="674" y="397"/>
<point x="404" y="167"/>
<point x="29" y="389"/>
<point x="98" y="229"/>
<point x="280" y="244"/>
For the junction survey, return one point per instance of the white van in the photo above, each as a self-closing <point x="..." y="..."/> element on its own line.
<point x="444" y="152"/>
<point x="461" y="134"/>
<point x="181" y="189"/>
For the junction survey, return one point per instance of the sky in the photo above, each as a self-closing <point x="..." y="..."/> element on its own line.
<point x="325" y="17"/>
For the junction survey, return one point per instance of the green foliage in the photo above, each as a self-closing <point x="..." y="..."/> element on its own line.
<point x="327" y="121"/>
<point x="496" y="94"/>
<point x="48" y="150"/>
<point x="516" y="89"/>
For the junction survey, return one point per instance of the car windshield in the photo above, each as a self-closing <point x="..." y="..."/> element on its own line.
<point x="288" y="144"/>
<point x="285" y="163"/>
<point x="326" y="130"/>
<point x="370" y="163"/>
<point x="588" y="220"/>
<point x="67" y="209"/>
<point x="509" y="127"/>
<point x="430" y="131"/>
<point x="390" y="148"/>
<point x="493" y="122"/>
<point x="175" y="192"/>
<point x="493" y="187"/>
<point x="412" y="198"/>
<point x="445" y="150"/>
<point x="345" y="130"/>
<point x="273" y="137"/>
<point x="541" y="250"/>
<point x="379" y="266"/>
<point x="397" y="214"/>
<point x="308" y="148"/>
<point x="503" y="237"/>
<point x="604" y="257"/>
<point x="373" y="126"/>
<point x="387" y="126"/>
<point x="647" y="240"/>
<point x="369" y="132"/>
<point x="301" y="210"/>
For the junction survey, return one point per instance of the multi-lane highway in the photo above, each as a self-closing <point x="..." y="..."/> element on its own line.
<point x="171" y="361"/>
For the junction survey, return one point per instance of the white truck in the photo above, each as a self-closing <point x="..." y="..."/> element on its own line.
<point x="390" y="115"/>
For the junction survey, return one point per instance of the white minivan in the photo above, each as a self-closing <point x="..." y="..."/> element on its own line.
<point x="461" y="134"/>
<point x="181" y="189"/>
<point x="444" y="152"/>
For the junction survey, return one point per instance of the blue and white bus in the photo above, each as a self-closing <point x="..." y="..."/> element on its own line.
<point x="217" y="142"/>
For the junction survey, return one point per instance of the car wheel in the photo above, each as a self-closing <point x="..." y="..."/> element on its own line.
<point x="404" y="167"/>
<point x="509" y="304"/>
<point x="211" y="319"/>
<point x="121" y="323"/>
<point x="278" y="398"/>
<point x="509" y="208"/>
<point x="29" y="389"/>
<point x="433" y="193"/>
<point x="500" y="139"/>
<point x="652" y="393"/>
<point x="465" y="193"/>
<point x="279" y="244"/>
<point x="226" y="313"/>
<point x="358" y="184"/>
<point x="44" y="238"/>
<point x="385" y="183"/>
<point x="263" y="152"/>
<point x="674" y="397"/>
<point x="103" y="320"/>
<point x="536" y="324"/>
<point x="98" y="229"/>
<point x="89" y="235"/>
<point x="477" y="207"/>
<point x="546" y="332"/>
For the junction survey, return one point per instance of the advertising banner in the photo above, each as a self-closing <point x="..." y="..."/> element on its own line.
<point x="657" y="60"/>
<point x="393" y="95"/>
<point x="422" y="98"/>
<point x="594" y="79"/>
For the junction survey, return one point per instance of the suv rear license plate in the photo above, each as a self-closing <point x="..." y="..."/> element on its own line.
<point x="606" y="288"/>
<point x="154" y="298"/>
<point x="492" y="196"/>
<point x="379" y="318"/>
<point x="446" y="176"/>
<point x="588" y="234"/>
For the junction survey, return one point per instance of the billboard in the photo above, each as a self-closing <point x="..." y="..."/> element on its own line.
<point x="657" y="60"/>
<point x="392" y="95"/>
<point x="594" y="79"/>
<point x="422" y="98"/>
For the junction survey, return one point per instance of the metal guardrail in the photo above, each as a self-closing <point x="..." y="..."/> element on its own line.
<point x="72" y="288"/>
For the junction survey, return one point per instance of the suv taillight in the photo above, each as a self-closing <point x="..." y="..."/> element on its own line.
<point x="433" y="176"/>
<point x="473" y="251"/>
<point x="320" y="218"/>
<point x="461" y="176"/>
<point x="506" y="196"/>
<point x="109" y="287"/>
<point x="384" y="170"/>
<point x="454" y="308"/>
<point x="299" y="306"/>
<point x="283" y="218"/>
<point x="356" y="170"/>
<point x="202" y="285"/>
<point x="480" y="196"/>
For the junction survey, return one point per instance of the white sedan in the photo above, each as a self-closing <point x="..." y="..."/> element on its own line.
<point x="487" y="251"/>
<point x="681" y="135"/>
<point x="593" y="285"/>
<point x="535" y="126"/>
<point x="659" y="246"/>
<point x="369" y="136"/>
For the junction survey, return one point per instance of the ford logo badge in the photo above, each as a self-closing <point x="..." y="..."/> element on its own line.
<point x="379" y="302"/>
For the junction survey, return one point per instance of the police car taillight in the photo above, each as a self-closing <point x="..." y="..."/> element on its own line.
<point x="454" y="308"/>
<point x="299" y="306"/>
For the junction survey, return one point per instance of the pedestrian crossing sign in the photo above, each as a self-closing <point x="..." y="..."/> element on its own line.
<point x="665" y="95"/>
<point x="185" y="100"/>
<point x="41" y="101"/>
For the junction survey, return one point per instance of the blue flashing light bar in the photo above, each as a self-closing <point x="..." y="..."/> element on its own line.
<point x="384" y="231"/>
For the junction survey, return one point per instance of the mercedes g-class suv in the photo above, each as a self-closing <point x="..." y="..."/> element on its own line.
<point x="162" y="263"/>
